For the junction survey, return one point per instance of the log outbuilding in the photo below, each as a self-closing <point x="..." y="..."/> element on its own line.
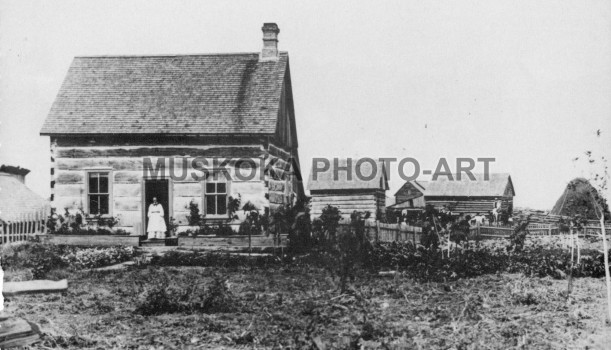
<point x="350" y="189"/>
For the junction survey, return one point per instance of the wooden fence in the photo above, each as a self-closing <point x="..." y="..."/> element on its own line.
<point x="381" y="232"/>
<point x="22" y="226"/>
<point x="484" y="232"/>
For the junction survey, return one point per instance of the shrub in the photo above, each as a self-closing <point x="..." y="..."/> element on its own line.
<point x="159" y="298"/>
<point x="162" y="297"/>
<point x="194" y="218"/>
<point x="218" y="298"/>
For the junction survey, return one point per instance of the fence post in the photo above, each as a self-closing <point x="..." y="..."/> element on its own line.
<point x="377" y="231"/>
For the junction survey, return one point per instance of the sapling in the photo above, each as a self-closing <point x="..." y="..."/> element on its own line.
<point x="600" y="178"/>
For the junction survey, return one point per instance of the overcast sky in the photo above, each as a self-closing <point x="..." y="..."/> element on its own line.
<point x="526" y="82"/>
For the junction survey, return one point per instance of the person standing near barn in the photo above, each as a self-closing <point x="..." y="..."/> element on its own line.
<point x="156" y="227"/>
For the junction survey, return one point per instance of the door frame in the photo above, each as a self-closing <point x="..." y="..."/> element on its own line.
<point x="143" y="200"/>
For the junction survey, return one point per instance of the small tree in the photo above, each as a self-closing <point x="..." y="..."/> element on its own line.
<point x="194" y="218"/>
<point x="599" y="179"/>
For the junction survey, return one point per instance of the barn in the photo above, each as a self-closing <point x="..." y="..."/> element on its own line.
<point x="201" y="128"/>
<point x="410" y="196"/>
<point x="339" y="186"/>
<point x="466" y="196"/>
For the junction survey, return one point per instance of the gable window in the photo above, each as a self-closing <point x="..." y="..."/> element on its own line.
<point x="98" y="193"/>
<point x="216" y="197"/>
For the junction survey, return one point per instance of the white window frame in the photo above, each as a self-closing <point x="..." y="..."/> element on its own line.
<point x="110" y="191"/>
<point x="220" y="179"/>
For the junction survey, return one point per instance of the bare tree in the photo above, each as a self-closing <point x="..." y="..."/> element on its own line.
<point x="599" y="179"/>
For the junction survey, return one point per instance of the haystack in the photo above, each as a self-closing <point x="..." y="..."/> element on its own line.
<point x="577" y="198"/>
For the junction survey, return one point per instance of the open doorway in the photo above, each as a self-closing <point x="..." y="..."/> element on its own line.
<point x="159" y="189"/>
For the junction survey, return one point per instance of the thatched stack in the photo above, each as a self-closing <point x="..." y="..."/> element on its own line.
<point x="578" y="198"/>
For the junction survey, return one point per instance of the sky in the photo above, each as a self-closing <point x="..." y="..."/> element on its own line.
<point x="525" y="82"/>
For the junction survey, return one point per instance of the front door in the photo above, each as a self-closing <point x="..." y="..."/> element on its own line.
<point x="159" y="189"/>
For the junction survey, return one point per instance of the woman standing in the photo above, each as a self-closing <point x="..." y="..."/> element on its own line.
<point x="156" y="227"/>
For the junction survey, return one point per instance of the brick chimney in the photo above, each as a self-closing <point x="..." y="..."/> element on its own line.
<point x="270" y="42"/>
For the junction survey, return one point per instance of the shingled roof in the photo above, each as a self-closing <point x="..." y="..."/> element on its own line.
<point x="326" y="180"/>
<point x="495" y="186"/>
<point x="188" y="94"/>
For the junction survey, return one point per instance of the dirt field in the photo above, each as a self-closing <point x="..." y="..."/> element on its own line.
<point x="301" y="308"/>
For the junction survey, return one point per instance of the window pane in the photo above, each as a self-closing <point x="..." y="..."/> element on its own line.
<point x="210" y="204"/>
<point x="103" y="183"/>
<point x="94" y="205"/>
<point x="221" y="188"/>
<point x="221" y="204"/>
<point x="210" y="187"/>
<point x="93" y="183"/>
<point x="104" y="204"/>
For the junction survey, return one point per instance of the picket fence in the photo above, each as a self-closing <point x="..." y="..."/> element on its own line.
<point x="21" y="227"/>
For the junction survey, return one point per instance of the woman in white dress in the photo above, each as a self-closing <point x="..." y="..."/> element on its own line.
<point x="156" y="227"/>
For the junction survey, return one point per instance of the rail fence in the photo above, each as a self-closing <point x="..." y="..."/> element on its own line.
<point x="20" y="227"/>
<point x="381" y="232"/>
<point x="533" y="230"/>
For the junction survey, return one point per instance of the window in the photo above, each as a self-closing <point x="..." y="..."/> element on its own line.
<point x="98" y="193"/>
<point x="216" y="198"/>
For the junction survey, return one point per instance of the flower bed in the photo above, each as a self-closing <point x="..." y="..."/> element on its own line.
<point x="92" y="240"/>
<point x="40" y="258"/>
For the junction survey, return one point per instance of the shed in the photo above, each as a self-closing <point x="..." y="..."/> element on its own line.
<point x="350" y="186"/>
<point x="467" y="196"/>
<point x="410" y="196"/>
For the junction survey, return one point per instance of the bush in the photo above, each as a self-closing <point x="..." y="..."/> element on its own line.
<point x="161" y="297"/>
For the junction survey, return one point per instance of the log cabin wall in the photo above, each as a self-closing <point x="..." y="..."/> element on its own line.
<point x="74" y="157"/>
<point x="471" y="205"/>
<point x="348" y="201"/>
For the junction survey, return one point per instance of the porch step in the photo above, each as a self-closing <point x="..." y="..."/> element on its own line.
<point x="159" y="242"/>
<point x="153" y="243"/>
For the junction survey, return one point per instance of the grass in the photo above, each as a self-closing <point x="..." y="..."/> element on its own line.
<point x="300" y="307"/>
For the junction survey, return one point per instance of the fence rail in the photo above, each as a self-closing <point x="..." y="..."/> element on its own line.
<point x="533" y="230"/>
<point x="381" y="232"/>
<point x="23" y="226"/>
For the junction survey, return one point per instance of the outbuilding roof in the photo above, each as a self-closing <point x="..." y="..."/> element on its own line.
<point x="497" y="185"/>
<point x="185" y="94"/>
<point x="16" y="198"/>
<point x="360" y="179"/>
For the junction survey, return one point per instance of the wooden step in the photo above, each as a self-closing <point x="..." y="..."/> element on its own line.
<point x="152" y="243"/>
